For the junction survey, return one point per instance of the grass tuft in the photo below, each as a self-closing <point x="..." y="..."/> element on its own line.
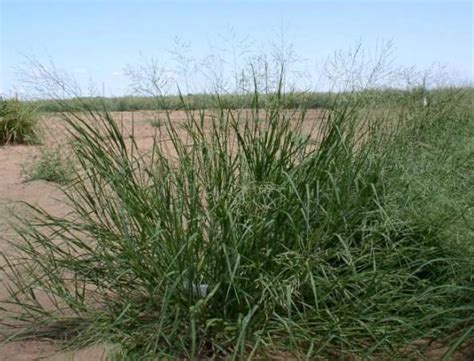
<point x="156" y="123"/>
<point x="51" y="165"/>
<point x="18" y="123"/>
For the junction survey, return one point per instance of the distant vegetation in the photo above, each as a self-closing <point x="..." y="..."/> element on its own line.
<point x="292" y="100"/>
<point x="191" y="102"/>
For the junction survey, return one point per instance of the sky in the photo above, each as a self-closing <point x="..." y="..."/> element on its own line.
<point x="96" y="41"/>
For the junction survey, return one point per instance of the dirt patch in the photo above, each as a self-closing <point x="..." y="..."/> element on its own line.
<point x="28" y="351"/>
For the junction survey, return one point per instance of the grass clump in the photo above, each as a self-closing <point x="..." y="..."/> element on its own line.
<point x="156" y="123"/>
<point x="18" y="123"/>
<point x="51" y="165"/>
<point x="438" y="171"/>
<point x="298" y="246"/>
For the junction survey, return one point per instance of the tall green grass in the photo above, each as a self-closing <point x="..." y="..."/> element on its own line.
<point x="245" y="235"/>
<point x="18" y="122"/>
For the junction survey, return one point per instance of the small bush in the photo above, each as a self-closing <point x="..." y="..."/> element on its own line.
<point x="52" y="165"/>
<point x="18" y="123"/>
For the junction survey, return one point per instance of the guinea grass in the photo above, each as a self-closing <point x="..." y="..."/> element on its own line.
<point x="300" y="229"/>
<point x="18" y="123"/>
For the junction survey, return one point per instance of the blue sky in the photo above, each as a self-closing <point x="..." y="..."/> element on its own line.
<point x="98" y="39"/>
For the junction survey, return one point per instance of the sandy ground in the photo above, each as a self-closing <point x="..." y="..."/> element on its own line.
<point x="14" y="189"/>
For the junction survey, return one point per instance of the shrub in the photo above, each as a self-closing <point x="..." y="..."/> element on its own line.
<point x="18" y="123"/>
